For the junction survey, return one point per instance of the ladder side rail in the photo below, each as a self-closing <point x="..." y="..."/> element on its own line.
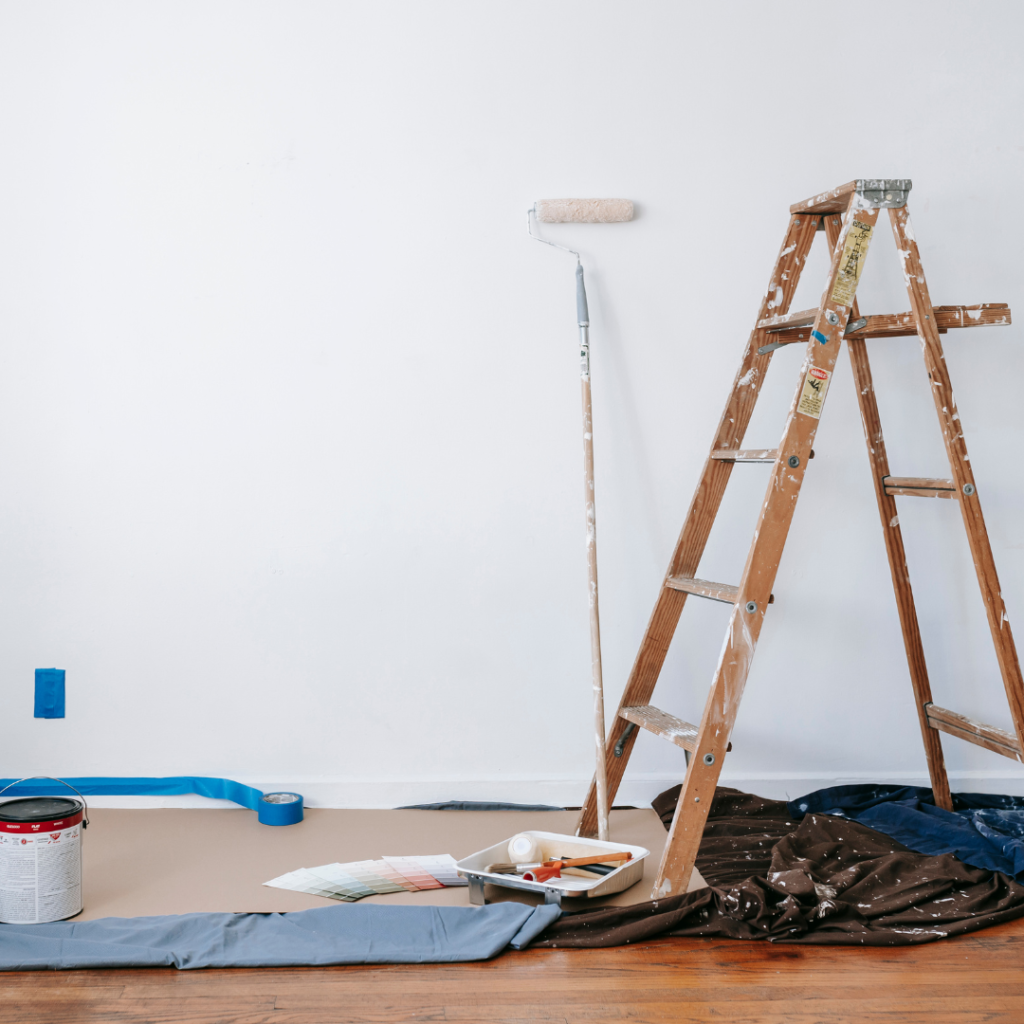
<point x="701" y="780"/>
<point x="879" y="462"/>
<point x="959" y="464"/>
<point x="702" y="511"/>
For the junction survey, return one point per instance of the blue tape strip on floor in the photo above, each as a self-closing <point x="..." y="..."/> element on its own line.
<point x="175" y="785"/>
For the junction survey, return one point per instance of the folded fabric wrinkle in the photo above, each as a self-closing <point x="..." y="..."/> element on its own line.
<point x="306" y="938"/>
<point x="825" y="879"/>
<point x="985" y="830"/>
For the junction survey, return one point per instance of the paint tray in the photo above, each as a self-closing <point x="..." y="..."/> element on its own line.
<point x="552" y="844"/>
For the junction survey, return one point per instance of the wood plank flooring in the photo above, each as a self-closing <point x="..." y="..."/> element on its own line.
<point x="969" y="980"/>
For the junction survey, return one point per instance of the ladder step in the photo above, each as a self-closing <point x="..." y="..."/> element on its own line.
<point x="661" y="723"/>
<point x="902" y="325"/>
<point x="703" y="588"/>
<point x="793" y="329"/>
<point x="998" y="740"/>
<point x="884" y="191"/>
<point x="768" y="455"/>
<point x="724" y="592"/>
<point x="983" y="314"/>
<point x="896" y="325"/>
<point x="803" y="318"/>
<point x="746" y="454"/>
<point x="919" y="486"/>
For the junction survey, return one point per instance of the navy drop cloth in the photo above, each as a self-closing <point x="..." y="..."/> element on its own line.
<point x="985" y="830"/>
<point x="306" y="938"/>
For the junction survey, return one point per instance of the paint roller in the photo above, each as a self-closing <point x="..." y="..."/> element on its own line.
<point x="587" y="211"/>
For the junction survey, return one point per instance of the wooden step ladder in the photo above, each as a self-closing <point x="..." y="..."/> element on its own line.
<point x="847" y="215"/>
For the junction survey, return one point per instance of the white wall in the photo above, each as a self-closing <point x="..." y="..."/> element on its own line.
<point x="289" y="425"/>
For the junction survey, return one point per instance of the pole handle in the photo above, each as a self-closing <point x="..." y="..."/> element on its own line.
<point x="582" y="313"/>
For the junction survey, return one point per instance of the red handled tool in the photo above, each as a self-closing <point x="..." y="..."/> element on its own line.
<point x="553" y="868"/>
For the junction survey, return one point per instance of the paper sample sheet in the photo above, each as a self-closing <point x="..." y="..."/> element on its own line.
<point x="361" y="878"/>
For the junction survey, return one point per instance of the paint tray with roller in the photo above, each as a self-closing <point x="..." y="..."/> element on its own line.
<point x="491" y="866"/>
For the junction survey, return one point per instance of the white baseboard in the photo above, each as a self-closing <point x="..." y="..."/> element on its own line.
<point x="637" y="790"/>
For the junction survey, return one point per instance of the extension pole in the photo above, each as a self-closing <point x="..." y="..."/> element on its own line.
<point x="583" y="317"/>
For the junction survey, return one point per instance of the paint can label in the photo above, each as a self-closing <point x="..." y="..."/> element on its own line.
<point x="812" y="397"/>
<point x="851" y="263"/>
<point x="40" y="871"/>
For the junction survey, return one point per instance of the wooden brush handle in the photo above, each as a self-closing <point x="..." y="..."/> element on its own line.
<point x="576" y="862"/>
<point x="561" y="862"/>
<point x="553" y="868"/>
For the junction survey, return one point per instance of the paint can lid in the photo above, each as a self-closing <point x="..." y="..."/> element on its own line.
<point x="39" y="808"/>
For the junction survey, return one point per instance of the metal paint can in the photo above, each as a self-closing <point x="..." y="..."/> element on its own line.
<point x="40" y="859"/>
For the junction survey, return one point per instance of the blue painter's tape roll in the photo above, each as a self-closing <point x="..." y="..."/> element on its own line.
<point x="280" y="809"/>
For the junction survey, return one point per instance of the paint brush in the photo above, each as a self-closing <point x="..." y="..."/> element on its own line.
<point x="552" y="868"/>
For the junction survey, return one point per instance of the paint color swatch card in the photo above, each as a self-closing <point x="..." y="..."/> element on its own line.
<point x="383" y="868"/>
<point x="366" y="872"/>
<point x="414" y="872"/>
<point x="335" y="877"/>
<point x="442" y="867"/>
<point x="305" y="881"/>
<point x="361" y="878"/>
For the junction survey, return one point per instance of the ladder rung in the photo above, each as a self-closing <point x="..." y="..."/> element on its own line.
<point x="899" y="325"/>
<point x="768" y="455"/>
<point x="746" y="454"/>
<point x="998" y="740"/>
<point x="792" y="329"/>
<point x="804" y="318"/>
<point x="661" y="723"/>
<point x="703" y="588"/>
<point x="919" y="486"/>
<point x="984" y="313"/>
<point x="724" y="592"/>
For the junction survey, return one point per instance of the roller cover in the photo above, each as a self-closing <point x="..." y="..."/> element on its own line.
<point x="584" y="211"/>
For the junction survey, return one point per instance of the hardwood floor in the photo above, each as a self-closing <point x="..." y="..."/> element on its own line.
<point x="974" y="979"/>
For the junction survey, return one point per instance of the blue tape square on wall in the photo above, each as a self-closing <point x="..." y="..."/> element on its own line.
<point x="49" y="693"/>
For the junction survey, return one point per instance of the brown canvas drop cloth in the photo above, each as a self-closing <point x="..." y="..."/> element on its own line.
<point x="181" y="861"/>
<point x="826" y="880"/>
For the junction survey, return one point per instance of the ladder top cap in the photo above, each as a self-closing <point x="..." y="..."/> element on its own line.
<point x="879" y="192"/>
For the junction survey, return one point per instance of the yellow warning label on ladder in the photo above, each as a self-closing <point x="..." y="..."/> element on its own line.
<point x="812" y="398"/>
<point x="858" y="238"/>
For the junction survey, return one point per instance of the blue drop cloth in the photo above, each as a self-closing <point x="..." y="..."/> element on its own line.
<point x="984" y="830"/>
<point x="306" y="938"/>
